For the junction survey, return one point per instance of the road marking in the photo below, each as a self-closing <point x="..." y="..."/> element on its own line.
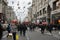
<point x="4" y="36"/>
<point x="48" y="33"/>
<point x="27" y="36"/>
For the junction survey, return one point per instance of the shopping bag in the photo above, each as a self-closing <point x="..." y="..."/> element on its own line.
<point x="10" y="36"/>
<point x="17" y="37"/>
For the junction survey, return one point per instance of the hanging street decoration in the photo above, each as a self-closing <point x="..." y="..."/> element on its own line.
<point x="18" y="7"/>
<point x="12" y="2"/>
<point x="24" y="6"/>
<point x="29" y="3"/>
<point x="18" y="3"/>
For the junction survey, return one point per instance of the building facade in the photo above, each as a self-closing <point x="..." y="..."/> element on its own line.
<point x="40" y="10"/>
<point x="34" y="10"/>
<point x="3" y="6"/>
<point x="46" y="10"/>
<point x="55" y="13"/>
<point x="30" y="16"/>
<point x="10" y="14"/>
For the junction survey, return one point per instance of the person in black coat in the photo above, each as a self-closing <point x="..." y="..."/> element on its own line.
<point x="24" y="29"/>
<point x="58" y="26"/>
<point x="42" y="28"/>
<point x="1" y="31"/>
<point x="8" y="29"/>
<point x="20" y="29"/>
<point x="50" y="28"/>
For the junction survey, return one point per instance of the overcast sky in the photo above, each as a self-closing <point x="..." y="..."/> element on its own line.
<point x="23" y="4"/>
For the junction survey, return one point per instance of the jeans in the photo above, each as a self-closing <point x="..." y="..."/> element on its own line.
<point x="14" y="35"/>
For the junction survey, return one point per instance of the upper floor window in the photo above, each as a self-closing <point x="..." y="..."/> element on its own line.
<point x="44" y="11"/>
<point x="58" y="5"/>
<point x="40" y="12"/>
<point x="37" y="13"/>
<point x="54" y="5"/>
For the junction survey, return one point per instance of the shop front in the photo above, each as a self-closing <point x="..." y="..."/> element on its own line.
<point x="43" y="19"/>
<point x="56" y="18"/>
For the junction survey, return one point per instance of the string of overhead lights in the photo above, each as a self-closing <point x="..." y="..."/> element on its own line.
<point x="18" y="7"/>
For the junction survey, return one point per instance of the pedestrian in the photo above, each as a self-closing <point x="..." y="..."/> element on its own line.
<point x="58" y="26"/>
<point x="24" y="29"/>
<point x="9" y="29"/>
<point x="14" y="30"/>
<point x="31" y="27"/>
<point x="42" y="28"/>
<point x="50" y="28"/>
<point x="18" y="26"/>
<point x="1" y="31"/>
<point x="5" y="25"/>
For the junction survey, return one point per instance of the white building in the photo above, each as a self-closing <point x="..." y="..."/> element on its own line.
<point x="30" y="16"/>
<point x="3" y="6"/>
<point x="40" y="10"/>
<point x="10" y="14"/>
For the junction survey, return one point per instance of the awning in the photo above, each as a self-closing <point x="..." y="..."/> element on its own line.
<point x="14" y="21"/>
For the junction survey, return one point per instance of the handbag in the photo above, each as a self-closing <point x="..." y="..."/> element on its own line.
<point x="10" y="34"/>
<point x="17" y="37"/>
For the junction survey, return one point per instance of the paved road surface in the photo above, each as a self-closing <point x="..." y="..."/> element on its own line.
<point x="36" y="35"/>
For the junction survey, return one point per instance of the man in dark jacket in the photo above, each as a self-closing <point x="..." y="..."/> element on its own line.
<point x="50" y="28"/>
<point x="24" y="29"/>
<point x="1" y="31"/>
<point x="42" y="28"/>
<point x="20" y="29"/>
<point x="9" y="29"/>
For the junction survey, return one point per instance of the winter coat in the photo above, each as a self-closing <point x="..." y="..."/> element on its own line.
<point x="1" y="31"/>
<point x="13" y="28"/>
<point x="9" y="27"/>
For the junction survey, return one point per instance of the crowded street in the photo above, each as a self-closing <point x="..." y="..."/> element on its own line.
<point x="29" y="19"/>
<point x="36" y="35"/>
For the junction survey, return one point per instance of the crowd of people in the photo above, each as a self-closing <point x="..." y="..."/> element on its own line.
<point x="12" y="28"/>
<point x="48" y="27"/>
<point x="22" y="27"/>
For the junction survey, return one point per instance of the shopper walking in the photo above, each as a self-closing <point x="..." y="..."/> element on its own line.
<point x="1" y="31"/>
<point x="24" y="29"/>
<point x="14" y="30"/>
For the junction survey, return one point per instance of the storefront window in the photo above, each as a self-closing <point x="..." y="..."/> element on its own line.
<point x="40" y="12"/>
